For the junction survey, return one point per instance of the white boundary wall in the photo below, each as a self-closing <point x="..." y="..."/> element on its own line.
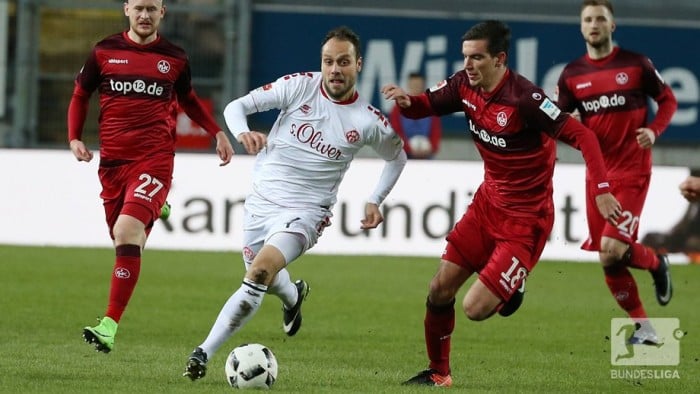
<point x="48" y="198"/>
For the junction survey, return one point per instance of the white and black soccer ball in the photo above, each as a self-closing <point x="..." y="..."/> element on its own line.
<point x="251" y="366"/>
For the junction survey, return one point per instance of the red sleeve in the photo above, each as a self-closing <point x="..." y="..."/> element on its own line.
<point x="584" y="139"/>
<point x="435" y="133"/>
<point x="420" y="107"/>
<point x="395" y="120"/>
<point x="197" y="112"/>
<point x="565" y="99"/>
<point x="667" y="107"/>
<point x="77" y="112"/>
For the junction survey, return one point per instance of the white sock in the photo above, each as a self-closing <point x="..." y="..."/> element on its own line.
<point x="646" y="327"/>
<point x="284" y="288"/>
<point x="236" y="312"/>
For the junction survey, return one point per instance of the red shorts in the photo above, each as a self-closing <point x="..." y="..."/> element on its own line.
<point x="501" y="247"/>
<point x="631" y="193"/>
<point x="137" y="188"/>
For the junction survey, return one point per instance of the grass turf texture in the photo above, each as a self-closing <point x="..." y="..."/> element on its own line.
<point x="362" y="331"/>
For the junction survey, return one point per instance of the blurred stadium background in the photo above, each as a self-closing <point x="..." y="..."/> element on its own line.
<point x="235" y="45"/>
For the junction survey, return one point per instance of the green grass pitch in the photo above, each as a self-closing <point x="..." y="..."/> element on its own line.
<point x="362" y="331"/>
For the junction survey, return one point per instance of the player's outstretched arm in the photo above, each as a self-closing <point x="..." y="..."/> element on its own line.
<point x="223" y="148"/>
<point x="582" y="138"/>
<point x="235" y="116"/>
<point x="253" y="141"/>
<point x="645" y="137"/>
<point x="690" y="188"/>
<point x="609" y="207"/>
<point x="393" y="92"/>
<point x="80" y="151"/>
<point x="373" y="217"/>
<point x="77" y="113"/>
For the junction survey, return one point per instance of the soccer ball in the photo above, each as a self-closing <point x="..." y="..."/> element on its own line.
<point x="251" y="365"/>
<point x="420" y="144"/>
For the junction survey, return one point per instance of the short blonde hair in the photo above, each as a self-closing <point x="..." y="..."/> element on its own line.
<point x="605" y="3"/>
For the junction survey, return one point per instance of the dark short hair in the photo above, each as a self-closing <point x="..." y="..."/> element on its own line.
<point x="496" y="33"/>
<point x="605" y="3"/>
<point x="415" y="74"/>
<point x="344" y="33"/>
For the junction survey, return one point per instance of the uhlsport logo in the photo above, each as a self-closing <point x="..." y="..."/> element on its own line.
<point x="655" y="344"/>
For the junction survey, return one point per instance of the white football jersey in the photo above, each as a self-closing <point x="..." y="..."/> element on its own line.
<point x="313" y="140"/>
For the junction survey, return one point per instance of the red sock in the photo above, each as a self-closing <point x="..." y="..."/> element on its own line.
<point x="439" y="323"/>
<point x="642" y="257"/>
<point x="623" y="287"/>
<point x="124" y="277"/>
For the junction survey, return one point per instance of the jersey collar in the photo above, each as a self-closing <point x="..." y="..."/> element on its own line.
<point x="351" y="100"/>
<point x="128" y="39"/>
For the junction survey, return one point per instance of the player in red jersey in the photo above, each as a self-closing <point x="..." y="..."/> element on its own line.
<point x="502" y="234"/>
<point x="609" y="88"/>
<point x="141" y="78"/>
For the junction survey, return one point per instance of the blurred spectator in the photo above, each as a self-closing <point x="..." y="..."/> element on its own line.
<point x="421" y="137"/>
<point x="684" y="236"/>
<point x="690" y="188"/>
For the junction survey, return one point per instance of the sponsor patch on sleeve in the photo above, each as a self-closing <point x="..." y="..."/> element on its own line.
<point x="550" y="108"/>
<point x="438" y="85"/>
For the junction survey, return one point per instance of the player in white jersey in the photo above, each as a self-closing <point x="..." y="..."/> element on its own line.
<point x="300" y="163"/>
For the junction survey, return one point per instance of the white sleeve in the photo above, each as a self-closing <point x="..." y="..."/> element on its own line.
<point x="276" y="95"/>
<point x="390" y="175"/>
<point x="389" y="146"/>
<point x="383" y="139"/>
<point x="236" y="113"/>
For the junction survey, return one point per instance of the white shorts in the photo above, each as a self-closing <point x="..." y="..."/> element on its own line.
<point x="262" y="219"/>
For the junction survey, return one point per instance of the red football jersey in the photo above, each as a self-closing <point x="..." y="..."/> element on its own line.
<point x="139" y="87"/>
<point x="612" y="96"/>
<point x="512" y="128"/>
